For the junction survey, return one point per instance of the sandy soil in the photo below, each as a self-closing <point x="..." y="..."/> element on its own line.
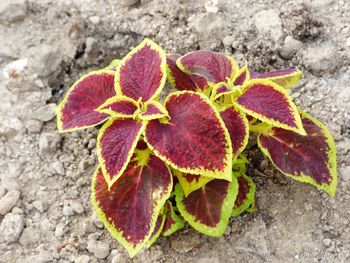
<point x="45" y="45"/>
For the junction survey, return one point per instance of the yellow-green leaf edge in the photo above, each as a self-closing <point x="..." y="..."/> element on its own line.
<point x="156" y="235"/>
<point x="101" y="161"/>
<point x="214" y="96"/>
<point x="190" y="187"/>
<point x="332" y="160"/>
<point x="113" y="65"/>
<point x="179" y="223"/>
<point x="267" y="120"/>
<point x="234" y="65"/>
<point x="114" y="113"/>
<point x="163" y="66"/>
<point x="61" y="105"/>
<point x="249" y="198"/>
<point x="226" y="174"/>
<point x="240" y="71"/>
<point x="170" y="76"/>
<point x="111" y="228"/>
<point x="226" y="211"/>
<point x="289" y="79"/>
<point x="159" y="106"/>
<point x="246" y="129"/>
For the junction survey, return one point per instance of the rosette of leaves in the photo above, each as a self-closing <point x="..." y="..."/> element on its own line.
<point x="161" y="164"/>
<point x="297" y="144"/>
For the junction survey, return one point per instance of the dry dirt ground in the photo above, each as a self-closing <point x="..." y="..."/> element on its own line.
<point x="45" y="45"/>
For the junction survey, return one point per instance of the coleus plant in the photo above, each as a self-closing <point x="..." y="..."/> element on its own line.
<point x="164" y="164"/>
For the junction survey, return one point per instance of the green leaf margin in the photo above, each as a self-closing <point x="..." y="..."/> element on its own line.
<point x="226" y="211"/>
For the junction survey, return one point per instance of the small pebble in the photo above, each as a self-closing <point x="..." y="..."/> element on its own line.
<point x="82" y="259"/>
<point x="8" y="201"/>
<point x="33" y="126"/>
<point x="98" y="248"/>
<point x="327" y="242"/>
<point x="11" y="227"/>
<point x="61" y="229"/>
<point x="345" y="173"/>
<point x="30" y="235"/>
<point x="58" y="168"/>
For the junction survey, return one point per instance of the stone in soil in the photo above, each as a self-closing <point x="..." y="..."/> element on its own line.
<point x="30" y="235"/>
<point x="98" y="248"/>
<point x="2" y="191"/>
<point x="15" y="68"/>
<point x="322" y="59"/>
<point x="82" y="259"/>
<point x="45" y="60"/>
<point x="41" y="206"/>
<point x="45" y="113"/>
<point x="61" y="229"/>
<point x="58" y="168"/>
<point x="185" y="242"/>
<point x="10" y="126"/>
<point x="8" y="201"/>
<point x="12" y="11"/>
<point x="327" y="242"/>
<point x="11" y="227"/>
<point x="290" y="47"/>
<point x="118" y="257"/>
<point x="33" y="126"/>
<point x="254" y="239"/>
<point x="269" y="23"/>
<point x="345" y="173"/>
<point x="48" y="142"/>
<point x="128" y="3"/>
<point x="70" y="207"/>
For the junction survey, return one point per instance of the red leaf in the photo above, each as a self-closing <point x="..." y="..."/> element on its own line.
<point x="215" y="67"/>
<point x="200" y="81"/>
<point x="191" y="182"/>
<point x="270" y="103"/>
<point x="194" y="140"/>
<point x="77" y="109"/>
<point x="310" y="158"/>
<point x="172" y="221"/>
<point x="131" y="207"/>
<point x="157" y="229"/>
<point x="153" y="110"/>
<point x="284" y="77"/>
<point x="242" y="76"/>
<point x="142" y="73"/>
<point x="119" y="106"/>
<point x="116" y="143"/>
<point x="177" y="78"/>
<point x="209" y="208"/>
<point x="237" y="126"/>
<point x="221" y="88"/>
<point x="246" y="195"/>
